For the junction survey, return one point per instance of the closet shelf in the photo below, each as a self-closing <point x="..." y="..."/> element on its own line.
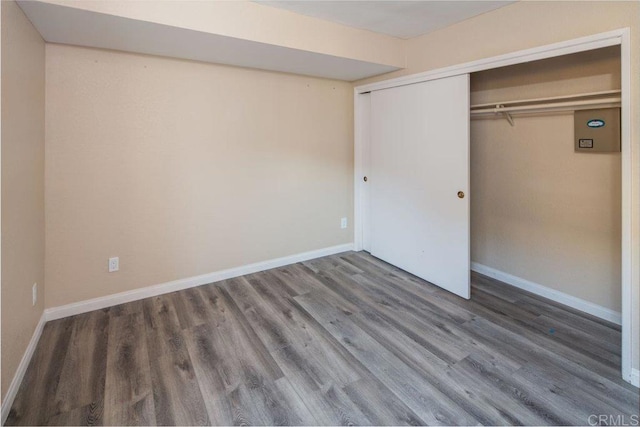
<point x="584" y="101"/>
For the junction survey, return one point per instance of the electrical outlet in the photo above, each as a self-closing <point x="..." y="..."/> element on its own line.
<point x="114" y="264"/>
<point x="34" y="294"/>
<point x="343" y="223"/>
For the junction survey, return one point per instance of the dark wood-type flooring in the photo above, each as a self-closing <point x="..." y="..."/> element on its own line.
<point x="345" y="339"/>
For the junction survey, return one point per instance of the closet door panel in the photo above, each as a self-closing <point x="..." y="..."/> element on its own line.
<point x="419" y="163"/>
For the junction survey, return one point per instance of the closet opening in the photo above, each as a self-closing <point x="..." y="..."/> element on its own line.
<point x="545" y="211"/>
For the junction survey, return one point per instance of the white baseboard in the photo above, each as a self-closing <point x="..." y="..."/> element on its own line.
<point x="176" y="285"/>
<point x="190" y="282"/>
<point x="635" y="377"/>
<point x="7" y="402"/>
<point x="552" y="294"/>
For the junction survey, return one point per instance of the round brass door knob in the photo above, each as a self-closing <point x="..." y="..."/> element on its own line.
<point x="460" y="194"/>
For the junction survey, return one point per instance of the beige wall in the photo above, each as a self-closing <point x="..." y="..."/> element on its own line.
<point x="522" y="25"/>
<point x="23" y="81"/>
<point x="544" y="213"/>
<point x="584" y="72"/>
<point x="528" y="24"/>
<point x="183" y="168"/>
<point x="539" y="210"/>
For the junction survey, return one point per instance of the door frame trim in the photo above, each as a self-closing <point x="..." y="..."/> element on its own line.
<point x="630" y="207"/>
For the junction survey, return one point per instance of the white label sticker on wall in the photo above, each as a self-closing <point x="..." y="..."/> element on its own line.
<point x="595" y="123"/>
<point x="585" y="143"/>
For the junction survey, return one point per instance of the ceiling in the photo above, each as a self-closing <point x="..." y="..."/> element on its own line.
<point x="73" y="26"/>
<point x="402" y="19"/>
<point x="69" y="22"/>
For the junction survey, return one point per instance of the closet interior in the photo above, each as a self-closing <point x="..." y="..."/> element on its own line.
<point x="543" y="210"/>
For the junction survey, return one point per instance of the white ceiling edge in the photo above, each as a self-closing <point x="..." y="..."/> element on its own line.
<point x="68" y="25"/>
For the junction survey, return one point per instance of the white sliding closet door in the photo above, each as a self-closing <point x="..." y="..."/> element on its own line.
<point x="419" y="163"/>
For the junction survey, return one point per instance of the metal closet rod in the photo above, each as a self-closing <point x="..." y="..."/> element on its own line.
<point x="583" y="101"/>
<point x="552" y="106"/>
<point x="552" y="98"/>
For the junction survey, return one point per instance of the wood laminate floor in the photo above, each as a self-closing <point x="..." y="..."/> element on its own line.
<point x="345" y="339"/>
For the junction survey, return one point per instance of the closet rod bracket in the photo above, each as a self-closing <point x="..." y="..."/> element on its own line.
<point x="500" y="109"/>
